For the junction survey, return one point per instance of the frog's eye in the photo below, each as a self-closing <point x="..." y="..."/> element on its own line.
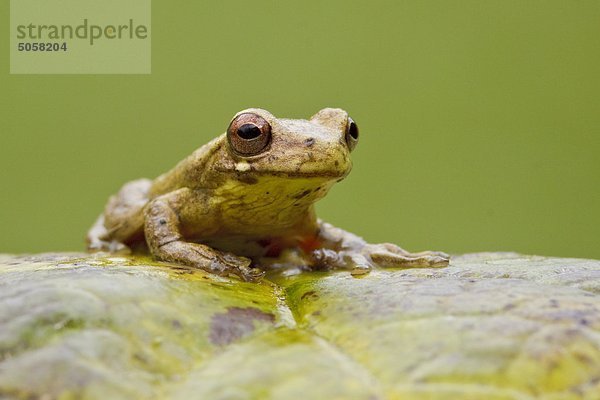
<point x="351" y="134"/>
<point x="249" y="134"/>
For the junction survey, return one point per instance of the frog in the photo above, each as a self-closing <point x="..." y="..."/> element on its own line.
<point x="246" y="199"/>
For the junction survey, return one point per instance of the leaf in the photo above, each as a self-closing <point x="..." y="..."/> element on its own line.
<point x="492" y="325"/>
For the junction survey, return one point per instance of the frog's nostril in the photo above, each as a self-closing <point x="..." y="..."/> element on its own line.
<point x="309" y="142"/>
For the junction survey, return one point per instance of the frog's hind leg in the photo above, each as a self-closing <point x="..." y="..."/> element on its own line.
<point x="359" y="256"/>
<point x="123" y="219"/>
<point x="98" y="239"/>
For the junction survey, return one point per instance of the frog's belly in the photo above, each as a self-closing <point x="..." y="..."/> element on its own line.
<point x="241" y="245"/>
<point x="252" y="237"/>
<point x="265" y="247"/>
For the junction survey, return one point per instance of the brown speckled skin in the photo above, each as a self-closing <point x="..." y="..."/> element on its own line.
<point x="218" y="210"/>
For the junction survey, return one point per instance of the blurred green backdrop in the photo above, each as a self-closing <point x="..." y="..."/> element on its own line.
<point x="480" y="121"/>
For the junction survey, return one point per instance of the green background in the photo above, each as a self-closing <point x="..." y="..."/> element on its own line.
<point x="480" y="121"/>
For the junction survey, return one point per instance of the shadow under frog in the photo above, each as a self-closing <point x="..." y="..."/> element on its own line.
<point x="246" y="199"/>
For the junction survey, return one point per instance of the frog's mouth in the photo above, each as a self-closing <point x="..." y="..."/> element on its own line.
<point x="251" y="174"/>
<point x="313" y="175"/>
<point x="329" y="162"/>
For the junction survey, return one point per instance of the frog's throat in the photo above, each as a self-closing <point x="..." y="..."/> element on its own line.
<point x="275" y="193"/>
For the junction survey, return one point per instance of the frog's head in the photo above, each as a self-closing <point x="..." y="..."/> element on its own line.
<point x="261" y="144"/>
<point x="296" y="158"/>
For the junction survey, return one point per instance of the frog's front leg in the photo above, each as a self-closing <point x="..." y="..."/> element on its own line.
<point x="165" y="240"/>
<point x="352" y="252"/>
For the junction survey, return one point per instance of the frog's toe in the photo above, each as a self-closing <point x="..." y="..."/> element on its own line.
<point x="439" y="260"/>
<point x="358" y="264"/>
<point x="389" y="248"/>
<point x="234" y="261"/>
<point x="388" y="259"/>
<point x="325" y="259"/>
<point x="390" y="255"/>
<point x="360" y="269"/>
<point x="440" y="254"/>
<point x="240" y="266"/>
<point x="251" y="274"/>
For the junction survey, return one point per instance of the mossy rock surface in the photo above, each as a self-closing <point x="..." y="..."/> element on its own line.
<point x="490" y="326"/>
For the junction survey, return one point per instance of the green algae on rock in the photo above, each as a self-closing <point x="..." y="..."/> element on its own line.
<point x="494" y="326"/>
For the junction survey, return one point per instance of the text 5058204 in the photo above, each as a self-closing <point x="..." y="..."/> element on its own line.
<point x="49" y="46"/>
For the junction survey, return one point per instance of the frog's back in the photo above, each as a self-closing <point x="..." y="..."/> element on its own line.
<point x="123" y="217"/>
<point x="190" y="172"/>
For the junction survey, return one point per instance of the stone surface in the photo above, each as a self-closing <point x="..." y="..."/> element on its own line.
<point x="492" y="325"/>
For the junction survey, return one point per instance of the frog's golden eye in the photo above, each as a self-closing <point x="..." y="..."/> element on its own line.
<point x="249" y="134"/>
<point x="351" y="134"/>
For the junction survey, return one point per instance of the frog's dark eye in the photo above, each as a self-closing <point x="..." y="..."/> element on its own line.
<point x="249" y="134"/>
<point x="351" y="134"/>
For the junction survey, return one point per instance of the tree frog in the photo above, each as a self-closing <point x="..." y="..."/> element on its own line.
<point x="247" y="198"/>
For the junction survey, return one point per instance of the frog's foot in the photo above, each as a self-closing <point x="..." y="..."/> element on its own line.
<point x="325" y="259"/>
<point x="389" y="255"/>
<point x="113" y="246"/>
<point x="211" y="260"/>
<point x="239" y="266"/>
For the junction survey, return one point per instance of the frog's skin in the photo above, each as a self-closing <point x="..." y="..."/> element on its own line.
<point x="247" y="197"/>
